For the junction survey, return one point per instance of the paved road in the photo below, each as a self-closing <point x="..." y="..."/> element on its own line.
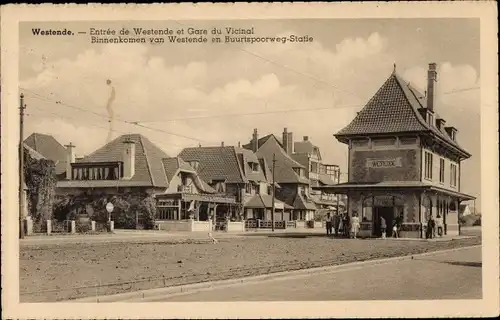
<point x="150" y="236"/>
<point x="453" y="275"/>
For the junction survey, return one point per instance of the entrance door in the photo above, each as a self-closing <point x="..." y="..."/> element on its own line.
<point x="388" y="214"/>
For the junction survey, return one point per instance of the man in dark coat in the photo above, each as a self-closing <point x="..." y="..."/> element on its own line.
<point x="336" y="223"/>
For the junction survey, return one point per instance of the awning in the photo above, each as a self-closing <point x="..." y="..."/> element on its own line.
<point x="344" y="188"/>
<point x="261" y="201"/>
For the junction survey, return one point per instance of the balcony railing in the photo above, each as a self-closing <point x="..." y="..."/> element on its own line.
<point x="185" y="189"/>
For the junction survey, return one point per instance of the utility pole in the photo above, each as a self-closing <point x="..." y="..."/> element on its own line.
<point x="22" y="107"/>
<point x="274" y="191"/>
<point x="338" y="196"/>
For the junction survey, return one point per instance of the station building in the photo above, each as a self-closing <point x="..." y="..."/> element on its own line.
<point x="404" y="161"/>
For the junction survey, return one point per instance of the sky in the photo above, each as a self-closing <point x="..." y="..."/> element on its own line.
<point x="183" y="95"/>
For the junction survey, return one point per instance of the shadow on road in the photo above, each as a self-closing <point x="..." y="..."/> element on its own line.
<point x="458" y="263"/>
<point x="296" y="235"/>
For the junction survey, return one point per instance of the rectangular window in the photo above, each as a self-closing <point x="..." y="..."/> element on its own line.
<point x="453" y="175"/>
<point x="428" y="165"/>
<point x="441" y="170"/>
<point x="248" y="188"/>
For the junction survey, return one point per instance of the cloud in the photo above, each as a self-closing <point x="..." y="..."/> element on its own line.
<point x="252" y="79"/>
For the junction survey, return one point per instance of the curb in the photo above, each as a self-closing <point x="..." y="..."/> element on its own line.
<point x="203" y="286"/>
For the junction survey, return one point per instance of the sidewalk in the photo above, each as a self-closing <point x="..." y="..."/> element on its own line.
<point x="122" y="235"/>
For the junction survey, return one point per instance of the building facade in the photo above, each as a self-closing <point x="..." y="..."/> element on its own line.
<point x="293" y="186"/>
<point x="403" y="161"/>
<point x="319" y="174"/>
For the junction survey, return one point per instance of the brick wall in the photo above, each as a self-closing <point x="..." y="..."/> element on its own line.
<point x="409" y="170"/>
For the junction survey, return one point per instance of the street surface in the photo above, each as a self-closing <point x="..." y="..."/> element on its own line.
<point x="453" y="275"/>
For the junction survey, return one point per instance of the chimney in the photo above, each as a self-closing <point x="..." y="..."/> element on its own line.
<point x="285" y="139"/>
<point x="255" y="141"/>
<point x="222" y="144"/>
<point x="128" y="159"/>
<point x="290" y="143"/>
<point x="70" y="158"/>
<point x="431" y="79"/>
<point x="306" y="138"/>
<point x="239" y="144"/>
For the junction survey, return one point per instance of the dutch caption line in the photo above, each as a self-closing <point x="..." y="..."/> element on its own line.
<point x="182" y="35"/>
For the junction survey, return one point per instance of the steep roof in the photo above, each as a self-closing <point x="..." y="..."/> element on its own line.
<point x="176" y="164"/>
<point x="245" y="157"/>
<point x="394" y="109"/>
<point x="149" y="169"/>
<point x="284" y="172"/>
<point x="305" y="147"/>
<point x="216" y="163"/>
<point x="33" y="153"/>
<point x="264" y="201"/>
<point x="50" y="148"/>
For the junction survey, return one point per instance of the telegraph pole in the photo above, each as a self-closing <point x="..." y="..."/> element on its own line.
<point x="274" y="191"/>
<point x="22" y="107"/>
<point x="338" y="196"/>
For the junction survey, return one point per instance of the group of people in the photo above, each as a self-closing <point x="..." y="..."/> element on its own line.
<point x="434" y="225"/>
<point x="342" y="225"/>
<point x="396" y="227"/>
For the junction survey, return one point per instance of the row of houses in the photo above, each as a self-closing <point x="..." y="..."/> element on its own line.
<point x="202" y="183"/>
<point x="404" y="164"/>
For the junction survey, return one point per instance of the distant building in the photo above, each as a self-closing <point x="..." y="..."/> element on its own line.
<point x="290" y="175"/>
<point x="464" y="210"/>
<point x="318" y="172"/>
<point x="132" y="165"/>
<point x="239" y="173"/>
<point x="403" y="160"/>
<point x="50" y="148"/>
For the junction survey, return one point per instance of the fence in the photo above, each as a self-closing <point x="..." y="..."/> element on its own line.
<point x="66" y="226"/>
<point x="61" y="226"/>
<point x="265" y="224"/>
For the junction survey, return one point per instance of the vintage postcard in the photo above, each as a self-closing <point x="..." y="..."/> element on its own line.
<point x="304" y="160"/>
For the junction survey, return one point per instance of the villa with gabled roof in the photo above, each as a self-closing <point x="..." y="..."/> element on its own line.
<point x="404" y="162"/>
<point x="132" y="164"/>
<point x="290" y="175"/>
<point x="240" y="173"/>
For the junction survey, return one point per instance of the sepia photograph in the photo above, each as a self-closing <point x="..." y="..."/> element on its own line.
<point x="286" y="159"/>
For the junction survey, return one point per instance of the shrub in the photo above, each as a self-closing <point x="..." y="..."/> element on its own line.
<point x="40" y="179"/>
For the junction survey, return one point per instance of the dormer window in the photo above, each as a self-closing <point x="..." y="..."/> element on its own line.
<point x="430" y="118"/>
<point x="254" y="166"/>
<point x="440" y="123"/>
<point x="195" y="164"/>
<point x="299" y="171"/>
<point x="452" y="132"/>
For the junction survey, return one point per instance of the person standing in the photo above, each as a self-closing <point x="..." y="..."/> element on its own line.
<point x="336" y="223"/>
<point x="383" y="227"/>
<point x="328" y="224"/>
<point x="439" y="224"/>
<point x="355" y="225"/>
<point x="346" y="223"/>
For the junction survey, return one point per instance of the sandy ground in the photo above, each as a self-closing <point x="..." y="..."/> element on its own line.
<point x="51" y="272"/>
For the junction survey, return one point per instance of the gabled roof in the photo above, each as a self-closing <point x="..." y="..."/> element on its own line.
<point x="284" y="172"/>
<point x="216" y="163"/>
<point x="33" y="153"/>
<point x="302" y="204"/>
<point x="149" y="170"/>
<point x="176" y="164"/>
<point x="264" y="201"/>
<point x="394" y="109"/>
<point x="306" y="147"/>
<point x="244" y="157"/>
<point x="50" y="148"/>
